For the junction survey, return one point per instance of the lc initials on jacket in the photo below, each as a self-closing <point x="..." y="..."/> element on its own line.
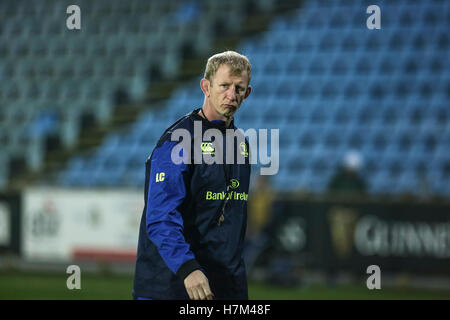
<point x="195" y="217"/>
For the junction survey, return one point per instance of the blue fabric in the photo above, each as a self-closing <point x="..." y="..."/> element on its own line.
<point x="45" y="124"/>
<point x="163" y="220"/>
<point x="180" y="222"/>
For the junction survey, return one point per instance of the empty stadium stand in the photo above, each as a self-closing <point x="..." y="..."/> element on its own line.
<point x="56" y="83"/>
<point x="322" y="78"/>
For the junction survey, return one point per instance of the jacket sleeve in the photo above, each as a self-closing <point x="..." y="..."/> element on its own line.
<point x="164" y="222"/>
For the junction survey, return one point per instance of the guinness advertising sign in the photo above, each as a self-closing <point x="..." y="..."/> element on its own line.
<point x="409" y="237"/>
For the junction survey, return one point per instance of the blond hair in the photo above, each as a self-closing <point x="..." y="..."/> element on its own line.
<point x="237" y="62"/>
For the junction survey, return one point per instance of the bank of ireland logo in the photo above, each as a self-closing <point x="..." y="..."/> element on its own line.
<point x="234" y="183"/>
<point x="244" y="149"/>
<point x="207" y="148"/>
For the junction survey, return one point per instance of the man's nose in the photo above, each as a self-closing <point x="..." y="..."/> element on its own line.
<point x="231" y="94"/>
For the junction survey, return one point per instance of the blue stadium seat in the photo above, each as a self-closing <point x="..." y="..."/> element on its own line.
<point x="318" y="74"/>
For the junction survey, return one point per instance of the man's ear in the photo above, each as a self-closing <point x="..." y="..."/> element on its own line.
<point x="247" y="93"/>
<point x="205" y="85"/>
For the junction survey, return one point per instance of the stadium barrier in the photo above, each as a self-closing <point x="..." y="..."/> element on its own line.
<point x="343" y="235"/>
<point x="10" y="221"/>
<point x="65" y="225"/>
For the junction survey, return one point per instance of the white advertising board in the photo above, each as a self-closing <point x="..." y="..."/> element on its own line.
<point x="62" y="224"/>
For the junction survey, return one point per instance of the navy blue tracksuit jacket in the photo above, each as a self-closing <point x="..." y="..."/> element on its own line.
<point x="195" y="217"/>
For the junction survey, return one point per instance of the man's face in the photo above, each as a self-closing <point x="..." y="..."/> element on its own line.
<point x="227" y="92"/>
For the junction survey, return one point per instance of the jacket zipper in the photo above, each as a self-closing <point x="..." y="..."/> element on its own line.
<point x="222" y="216"/>
<point x="224" y="204"/>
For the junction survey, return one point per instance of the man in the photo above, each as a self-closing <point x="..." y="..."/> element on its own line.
<point x="348" y="183"/>
<point x="193" y="224"/>
<point x="347" y="180"/>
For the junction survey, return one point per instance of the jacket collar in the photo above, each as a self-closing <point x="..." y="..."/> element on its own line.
<point x="211" y="124"/>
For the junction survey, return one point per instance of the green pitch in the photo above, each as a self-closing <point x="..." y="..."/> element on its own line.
<point x="18" y="285"/>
